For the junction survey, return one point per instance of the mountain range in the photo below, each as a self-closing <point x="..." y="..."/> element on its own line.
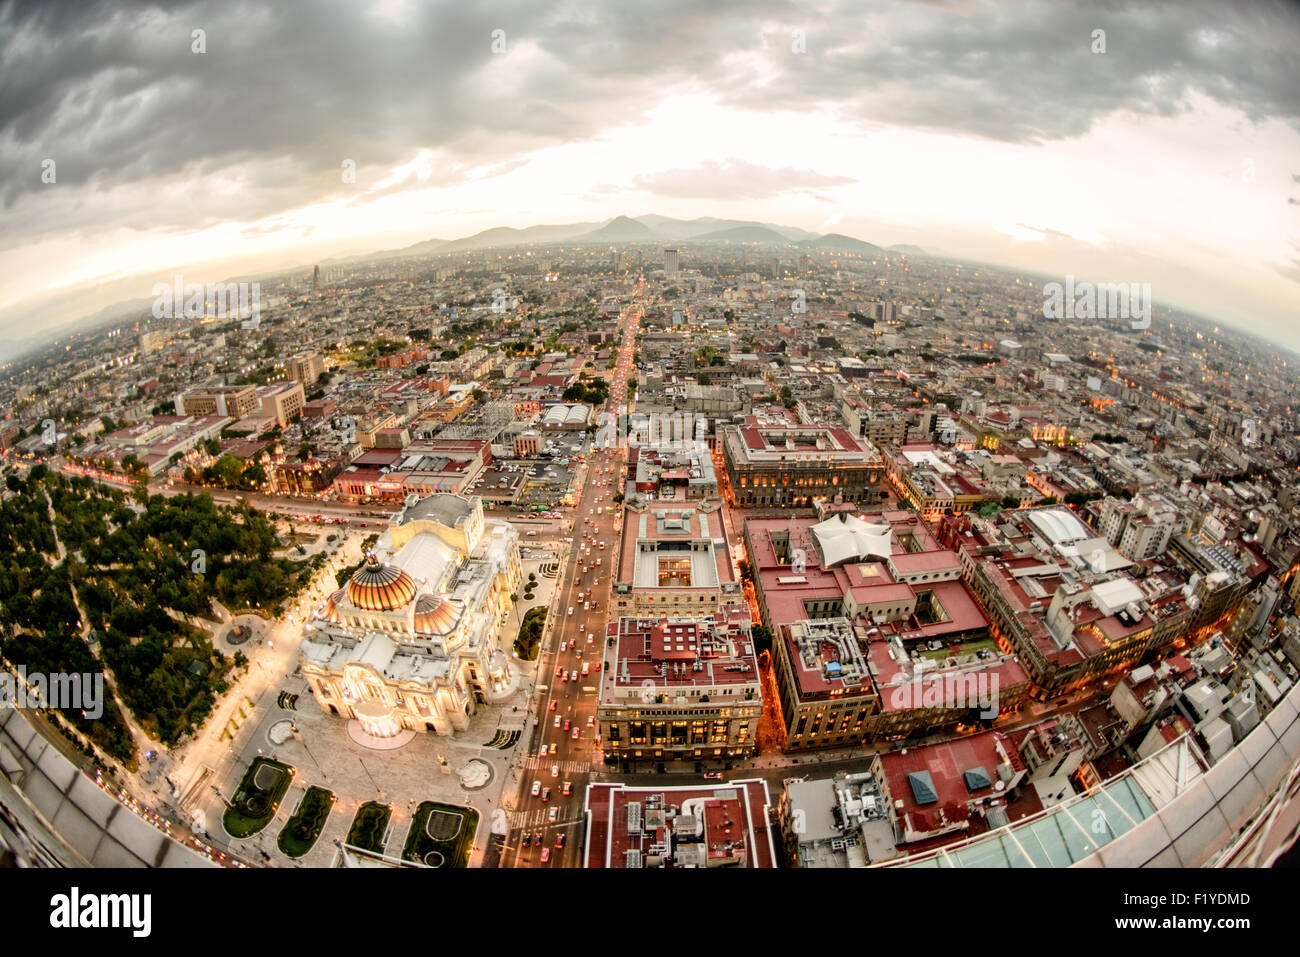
<point x="641" y="229"/>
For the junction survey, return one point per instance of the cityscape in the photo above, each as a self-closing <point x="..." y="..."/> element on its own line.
<point x="760" y="530"/>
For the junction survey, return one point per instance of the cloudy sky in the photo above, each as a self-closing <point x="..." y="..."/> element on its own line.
<point x="992" y="131"/>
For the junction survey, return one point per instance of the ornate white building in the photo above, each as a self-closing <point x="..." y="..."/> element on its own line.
<point x="411" y="641"/>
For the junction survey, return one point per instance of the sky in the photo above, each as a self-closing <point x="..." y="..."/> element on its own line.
<point x="1164" y="149"/>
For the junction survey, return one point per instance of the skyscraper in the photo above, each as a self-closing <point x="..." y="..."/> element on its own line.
<point x="670" y="262"/>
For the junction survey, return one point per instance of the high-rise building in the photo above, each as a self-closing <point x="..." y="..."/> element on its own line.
<point x="671" y="262"/>
<point x="306" y="368"/>
<point x="315" y="278"/>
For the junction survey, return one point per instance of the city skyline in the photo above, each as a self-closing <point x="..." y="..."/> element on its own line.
<point x="1159" y="152"/>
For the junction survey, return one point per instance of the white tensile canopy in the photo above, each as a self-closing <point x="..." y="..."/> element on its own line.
<point x="849" y="538"/>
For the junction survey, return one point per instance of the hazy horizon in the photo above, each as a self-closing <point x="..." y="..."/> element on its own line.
<point x="999" y="133"/>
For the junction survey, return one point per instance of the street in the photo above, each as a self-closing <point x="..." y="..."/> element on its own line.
<point x="573" y="640"/>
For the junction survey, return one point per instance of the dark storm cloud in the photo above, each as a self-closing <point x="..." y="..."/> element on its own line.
<point x="1027" y="71"/>
<point x="286" y="91"/>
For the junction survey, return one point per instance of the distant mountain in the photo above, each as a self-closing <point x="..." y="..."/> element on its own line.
<point x="426" y="248"/>
<point x="626" y="229"/>
<point x="687" y="229"/>
<point x="509" y="236"/>
<point x="908" y="250"/>
<point x="838" y="243"/>
<point x="745" y="234"/>
<point x="620" y="229"/>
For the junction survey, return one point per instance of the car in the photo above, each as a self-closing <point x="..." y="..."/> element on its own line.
<point x="597" y="562"/>
<point x="552" y="815"/>
<point x="576" y="733"/>
<point x="568" y="788"/>
<point x="552" y="751"/>
<point x="586" y="668"/>
<point x="591" y="720"/>
<point x="559" y="671"/>
<point x="713" y="775"/>
<point x="546" y="794"/>
<point x="537" y="788"/>
<point x="555" y="769"/>
<point x="572" y="642"/>
<point x="546" y="854"/>
<point x="580" y="628"/>
<point x="557" y="720"/>
<point x="574" y="676"/>
<point x="567" y="723"/>
<point x="559" y="842"/>
<point x="528" y="840"/>
<point x="542" y="752"/>
<point x="553" y="703"/>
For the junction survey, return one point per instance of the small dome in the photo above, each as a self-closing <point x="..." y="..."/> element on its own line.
<point x="437" y="616"/>
<point x="332" y="605"/>
<point x="376" y="587"/>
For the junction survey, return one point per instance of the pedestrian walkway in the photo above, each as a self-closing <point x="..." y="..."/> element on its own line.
<point x="539" y="817"/>
<point x="544" y="764"/>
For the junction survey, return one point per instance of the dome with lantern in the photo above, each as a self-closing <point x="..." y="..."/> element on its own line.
<point x="380" y="587"/>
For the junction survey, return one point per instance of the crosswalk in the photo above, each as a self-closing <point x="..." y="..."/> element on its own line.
<point x="537" y="817"/>
<point x="539" y="764"/>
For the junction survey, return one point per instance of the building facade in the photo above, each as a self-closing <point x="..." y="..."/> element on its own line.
<point x="679" y="689"/>
<point x="790" y="466"/>
<point x="412" y="641"/>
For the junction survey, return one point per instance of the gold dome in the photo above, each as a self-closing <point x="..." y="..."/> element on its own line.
<point x="377" y="587"/>
<point x="437" y="616"/>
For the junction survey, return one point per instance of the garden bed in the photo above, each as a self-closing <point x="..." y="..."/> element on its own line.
<point x="257" y="798"/>
<point x="369" y="827"/>
<point x="299" y="834"/>
<point x="441" y="835"/>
